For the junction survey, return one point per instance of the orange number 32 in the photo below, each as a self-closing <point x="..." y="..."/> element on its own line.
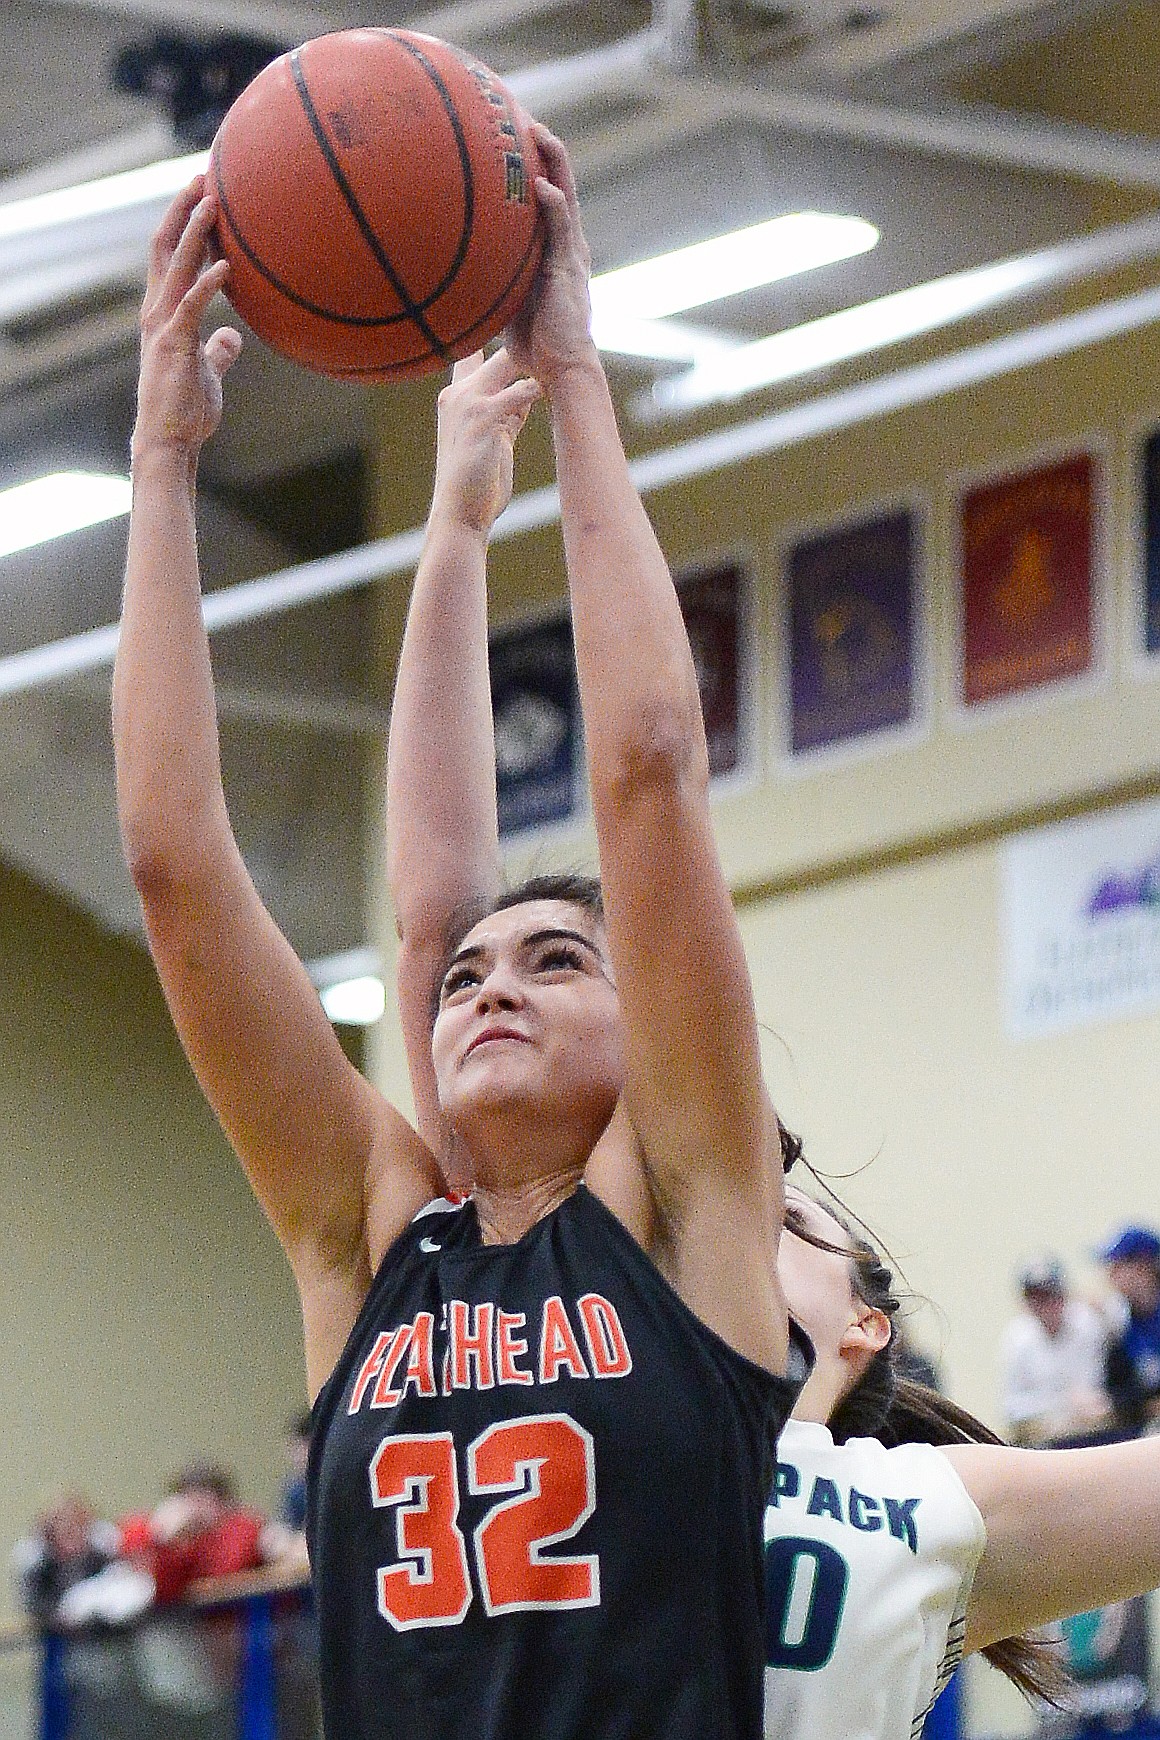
<point x="545" y="1463"/>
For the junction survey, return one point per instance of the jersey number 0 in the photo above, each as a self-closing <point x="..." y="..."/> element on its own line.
<point x="545" y="1465"/>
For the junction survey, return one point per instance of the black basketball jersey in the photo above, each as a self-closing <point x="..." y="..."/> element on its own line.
<point x="536" y="1489"/>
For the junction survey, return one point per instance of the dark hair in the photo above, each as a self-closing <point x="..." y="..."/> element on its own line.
<point x="206" y="1477"/>
<point x="571" y="886"/>
<point x="893" y="1409"/>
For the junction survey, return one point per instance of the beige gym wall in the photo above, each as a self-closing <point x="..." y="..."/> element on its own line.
<point x="149" y="1318"/>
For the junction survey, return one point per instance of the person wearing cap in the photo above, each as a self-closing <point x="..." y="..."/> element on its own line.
<point x="1052" y="1359"/>
<point x="1132" y="1260"/>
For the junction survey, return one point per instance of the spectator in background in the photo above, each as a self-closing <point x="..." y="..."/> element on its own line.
<point x="299" y="1716"/>
<point x="69" y="1545"/>
<point x="186" y="1665"/>
<point x="1132" y="1260"/>
<point x="912" y="1363"/>
<point x="285" y="1537"/>
<point x="292" y="1509"/>
<point x="1053" y="1359"/>
<point x="199" y="1530"/>
<point x="70" y="1579"/>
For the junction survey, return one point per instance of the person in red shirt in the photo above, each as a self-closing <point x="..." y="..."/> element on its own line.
<point x="198" y="1530"/>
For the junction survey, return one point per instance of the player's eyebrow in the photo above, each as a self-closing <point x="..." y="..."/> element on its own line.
<point x="469" y="952"/>
<point x="557" y="933"/>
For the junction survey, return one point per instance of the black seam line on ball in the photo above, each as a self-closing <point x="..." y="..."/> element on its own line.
<point x="468" y="172"/>
<point x="425" y="356"/>
<point x="411" y="308"/>
<point x="537" y="237"/>
<point x="286" y="290"/>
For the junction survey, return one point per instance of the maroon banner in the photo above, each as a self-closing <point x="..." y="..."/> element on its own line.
<point x="712" y="602"/>
<point x="1028" y="579"/>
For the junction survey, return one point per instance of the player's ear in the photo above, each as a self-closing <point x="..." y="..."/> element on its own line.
<point x="867" y="1332"/>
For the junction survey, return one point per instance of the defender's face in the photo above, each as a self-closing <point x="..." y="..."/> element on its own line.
<point x="818" y="1285"/>
<point x="528" y="1012"/>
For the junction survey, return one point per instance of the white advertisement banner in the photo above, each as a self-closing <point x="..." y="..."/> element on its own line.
<point x="1081" y="921"/>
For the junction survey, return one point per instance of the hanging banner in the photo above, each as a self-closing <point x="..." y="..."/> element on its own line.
<point x="1028" y="579"/>
<point x="1081" y="921"/>
<point x="713" y="603"/>
<point x="852" y="619"/>
<point x="536" y="713"/>
<point x="1152" y="543"/>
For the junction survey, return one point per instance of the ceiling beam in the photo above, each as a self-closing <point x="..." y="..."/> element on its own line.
<point x="464" y="21"/>
<point x="252" y="600"/>
<point x="320" y="713"/>
<point x="460" y="21"/>
<point x="966" y="132"/>
<point x="279" y="22"/>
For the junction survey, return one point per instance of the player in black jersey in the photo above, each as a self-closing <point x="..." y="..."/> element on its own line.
<point x="545" y="1416"/>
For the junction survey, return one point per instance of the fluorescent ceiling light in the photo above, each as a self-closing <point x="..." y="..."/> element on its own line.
<point x="110" y="193"/>
<point x="852" y="332"/>
<point x="659" y="340"/>
<point x="66" y="501"/>
<point x="726" y="265"/>
<point x="355" y="1002"/>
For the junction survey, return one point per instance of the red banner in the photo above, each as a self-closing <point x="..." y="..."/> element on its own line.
<point x="1028" y="582"/>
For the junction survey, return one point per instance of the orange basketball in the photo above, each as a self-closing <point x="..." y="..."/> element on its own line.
<point x="376" y="204"/>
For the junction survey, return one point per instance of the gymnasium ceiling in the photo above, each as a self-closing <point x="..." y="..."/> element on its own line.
<point x="967" y="130"/>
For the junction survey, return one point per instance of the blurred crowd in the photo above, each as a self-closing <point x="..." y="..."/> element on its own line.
<point x="1074" y="1368"/>
<point x="142" y="1662"/>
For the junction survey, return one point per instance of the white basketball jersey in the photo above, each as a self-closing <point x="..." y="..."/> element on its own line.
<point x="870" y="1556"/>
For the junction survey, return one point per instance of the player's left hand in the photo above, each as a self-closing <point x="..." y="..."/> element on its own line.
<point x="552" y="333"/>
<point x="179" y="401"/>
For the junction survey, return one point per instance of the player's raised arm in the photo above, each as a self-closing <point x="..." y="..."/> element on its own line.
<point x="442" y="838"/>
<point x="695" y="1095"/>
<point x="314" y="1137"/>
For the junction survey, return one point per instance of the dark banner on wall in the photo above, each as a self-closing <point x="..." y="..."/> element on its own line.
<point x="1152" y="543"/>
<point x="713" y="601"/>
<point x="537" y="724"/>
<point x="1028" y="581"/>
<point x="853" y="626"/>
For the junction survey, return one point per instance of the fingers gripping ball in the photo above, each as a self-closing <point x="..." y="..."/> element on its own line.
<point x="376" y="203"/>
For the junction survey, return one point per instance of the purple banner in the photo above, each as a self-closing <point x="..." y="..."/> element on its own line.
<point x="852" y="614"/>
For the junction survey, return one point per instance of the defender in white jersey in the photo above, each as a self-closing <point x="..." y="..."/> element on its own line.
<point x="870" y="1556"/>
<point x="901" y="1534"/>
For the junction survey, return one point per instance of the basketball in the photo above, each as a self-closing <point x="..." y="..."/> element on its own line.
<point x="376" y="203"/>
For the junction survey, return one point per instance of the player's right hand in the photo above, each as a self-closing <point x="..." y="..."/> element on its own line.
<point x="481" y="412"/>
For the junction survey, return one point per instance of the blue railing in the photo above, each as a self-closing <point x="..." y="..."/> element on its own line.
<point x="272" y="1642"/>
<point x="250" y="1638"/>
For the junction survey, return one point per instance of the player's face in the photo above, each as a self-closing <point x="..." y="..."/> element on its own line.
<point x="818" y="1285"/>
<point x="528" y="1013"/>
